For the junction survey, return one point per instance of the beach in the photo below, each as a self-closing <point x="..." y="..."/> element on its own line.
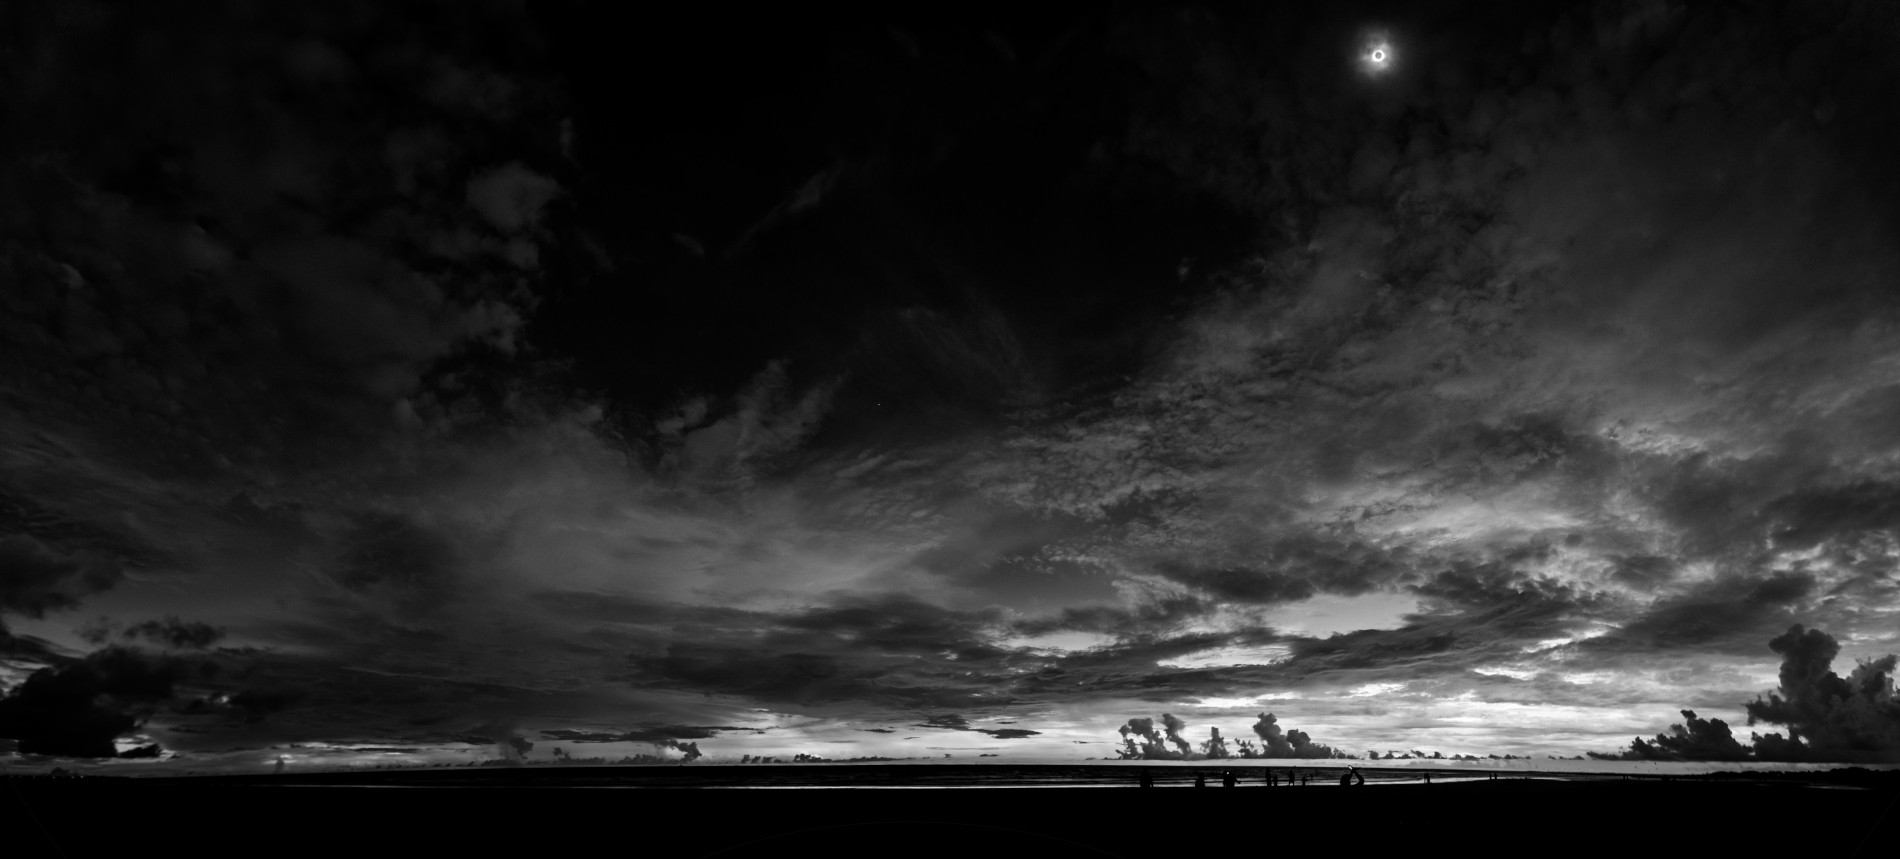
<point x="866" y="811"/>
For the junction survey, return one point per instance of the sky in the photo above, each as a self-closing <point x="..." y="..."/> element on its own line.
<point x="448" y="382"/>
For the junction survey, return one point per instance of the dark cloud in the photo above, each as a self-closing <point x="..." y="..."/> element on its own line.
<point x="1145" y="618"/>
<point x="174" y="633"/>
<point x="953" y="722"/>
<point x="257" y="704"/>
<point x="34" y="578"/>
<point x="1808" y="517"/>
<point x="1141" y="741"/>
<point x="1166" y="745"/>
<point x="1830" y="718"/>
<point x="1151" y="746"/>
<point x="892" y="649"/>
<point x="400" y="560"/>
<point x="63" y="537"/>
<point x="654" y="734"/>
<point x="1695" y="740"/>
<point x="690" y="751"/>
<point x="79" y="709"/>
<point x="196" y="289"/>
<point x="1728" y="614"/>
<point x="949" y="721"/>
<point x="1642" y="572"/>
<point x="1290" y="744"/>
<point x="1242" y="584"/>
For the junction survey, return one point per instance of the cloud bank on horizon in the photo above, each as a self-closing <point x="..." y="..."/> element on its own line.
<point x="442" y="381"/>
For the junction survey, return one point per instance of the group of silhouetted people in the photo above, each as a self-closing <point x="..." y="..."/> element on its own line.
<point x="1228" y="778"/>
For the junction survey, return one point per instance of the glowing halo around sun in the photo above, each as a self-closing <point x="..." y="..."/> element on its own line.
<point x="1377" y="55"/>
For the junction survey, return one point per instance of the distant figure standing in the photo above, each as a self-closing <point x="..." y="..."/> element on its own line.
<point x="1428" y="778"/>
<point x="280" y="764"/>
<point x="1200" y="780"/>
<point x="1147" y="780"/>
<point x="1271" y="780"/>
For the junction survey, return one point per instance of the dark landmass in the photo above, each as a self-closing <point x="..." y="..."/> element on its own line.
<point x="869" y="811"/>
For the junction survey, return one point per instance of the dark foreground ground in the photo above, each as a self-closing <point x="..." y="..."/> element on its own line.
<point x="533" y="815"/>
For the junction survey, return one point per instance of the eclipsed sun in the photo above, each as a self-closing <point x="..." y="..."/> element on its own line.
<point x="1377" y="56"/>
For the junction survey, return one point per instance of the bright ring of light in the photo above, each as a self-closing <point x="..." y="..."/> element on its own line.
<point x="1375" y="54"/>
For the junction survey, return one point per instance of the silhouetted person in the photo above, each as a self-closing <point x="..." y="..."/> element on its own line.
<point x="280" y="763"/>
<point x="1351" y="778"/>
<point x="1200" y="780"/>
<point x="1428" y="778"/>
<point x="1269" y="777"/>
<point x="1147" y="780"/>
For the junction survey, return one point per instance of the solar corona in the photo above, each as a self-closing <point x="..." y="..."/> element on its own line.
<point x="1377" y="56"/>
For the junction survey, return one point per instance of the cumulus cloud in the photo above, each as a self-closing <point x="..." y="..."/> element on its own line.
<point x="79" y="709"/>
<point x="1141" y="741"/>
<point x="1290" y="744"/>
<point x="1828" y="718"/>
<point x="1695" y="740"/>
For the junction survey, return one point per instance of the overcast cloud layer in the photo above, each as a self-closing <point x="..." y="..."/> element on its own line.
<point x="418" y="381"/>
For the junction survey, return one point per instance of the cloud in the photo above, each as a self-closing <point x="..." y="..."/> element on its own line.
<point x="654" y="734"/>
<point x="64" y="536"/>
<point x="167" y="632"/>
<point x="201" y="325"/>
<point x="395" y="558"/>
<point x="871" y="649"/>
<point x="257" y="704"/>
<point x="511" y="196"/>
<point x="1290" y="744"/>
<point x="953" y="722"/>
<point x="34" y="578"/>
<point x="79" y="709"/>
<point x="1700" y="740"/>
<point x="1829" y="718"/>
<point x="1242" y="584"/>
